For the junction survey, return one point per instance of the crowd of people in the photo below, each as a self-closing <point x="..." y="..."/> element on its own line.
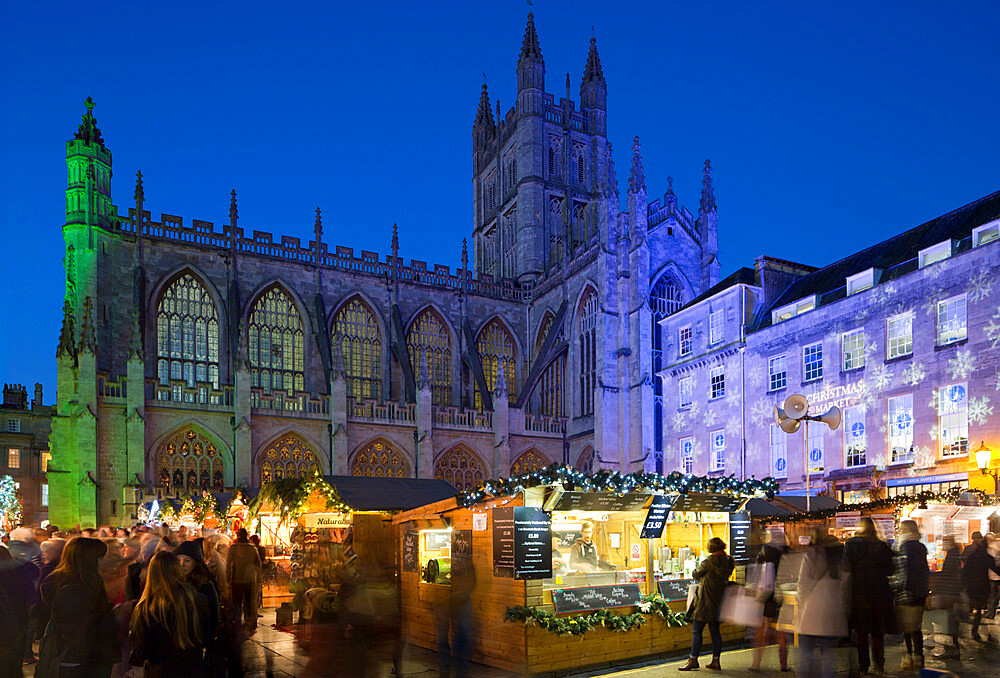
<point x="147" y="601"/>
<point x="850" y="594"/>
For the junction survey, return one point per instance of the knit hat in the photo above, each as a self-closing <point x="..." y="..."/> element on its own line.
<point x="192" y="550"/>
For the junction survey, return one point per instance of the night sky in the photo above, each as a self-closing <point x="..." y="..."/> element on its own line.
<point x="829" y="127"/>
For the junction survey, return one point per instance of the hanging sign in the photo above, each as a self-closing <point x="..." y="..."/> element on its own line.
<point x="587" y="598"/>
<point x="848" y="519"/>
<point x="532" y="543"/>
<point x="656" y="517"/>
<point x="739" y="537"/>
<point x="411" y="551"/>
<point x="479" y="522"/>
<point x="316" y="520"/>
<point x="720" y="503"/>
<point x="885" y="523"/>
<point x="601" y="501"/>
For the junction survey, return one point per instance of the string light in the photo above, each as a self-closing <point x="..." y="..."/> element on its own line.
<point x="10" y="502"/>
<point x="292" y="496"/>
<point x="895" y="503"/>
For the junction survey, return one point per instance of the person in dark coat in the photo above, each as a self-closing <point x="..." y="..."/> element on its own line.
<point x="910" y="589"/>
<point x="947" y="593"/>
<point x="713" y="578"/>
<point x="868" y="559"/>
<point x="16" y="594"/>
<point x="195" y="571"/>
<point x="977" y="563"/>
<point x="769" y="559"/>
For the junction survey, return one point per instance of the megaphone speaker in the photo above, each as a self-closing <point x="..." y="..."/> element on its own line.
<point x="796" y="406"/>
<point x="789" y="425"/>
<point x="779" y="415"/>
<point x="832" y="418"/>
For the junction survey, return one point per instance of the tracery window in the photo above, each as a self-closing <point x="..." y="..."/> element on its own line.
<point x="357" y="332"/>
<point x="508" y="241"/>
<point x="378" y="459"/>
<point x="188" y="461"/>
<point x="461" y="467"/>
<point x="428" y="339"/>
<point x="550" y="385"/>
<point x="496" y="346"/>
<point x="588" y="351"/>
<point x="286" y="457"/>
<point x="187" y="335"/>
<point x="664" y="299"/>
<point x="275" y="341"/>
<point x="530" y="460"/>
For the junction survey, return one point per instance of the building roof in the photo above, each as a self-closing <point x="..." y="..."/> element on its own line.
<point x="362" y="493"/>
<point x="742" y="276"/>
<point x="759" y="508"/>
<point x="798" y="503"/>
<point x="896" y="256"/>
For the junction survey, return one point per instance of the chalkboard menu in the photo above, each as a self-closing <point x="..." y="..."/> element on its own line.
<point x="600" y="501"/>
<point x="411" y="551"/>
<point x="720" y="503"/>
<point x="532" y="543"/>
<point x="656" y="517"/>
<point x="739" y="537"/>
<point x="596" y="597"/>
<point x="674" y="589"/>
<point x="503" y="541"/>
<point x="461" y="550"/>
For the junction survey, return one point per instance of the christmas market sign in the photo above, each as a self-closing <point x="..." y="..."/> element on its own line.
<point x="522" y="543"/>
<point x="721" y="503"/>
<point x="317" y="520"/>
<point x="601" y="501"/>
<point x="585" y="598"/>
<point x="739" y="537"/>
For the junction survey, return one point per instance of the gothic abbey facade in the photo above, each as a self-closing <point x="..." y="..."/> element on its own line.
<point x="196" y="357"/>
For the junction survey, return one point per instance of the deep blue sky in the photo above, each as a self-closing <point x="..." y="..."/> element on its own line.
<point x="829" y="126"/>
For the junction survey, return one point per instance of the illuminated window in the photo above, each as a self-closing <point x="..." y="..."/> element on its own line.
<point x="684" y="339"/>
<point x="13" y="458"/>
<point x="46" y="458"/>
<point x="530" y="460"/>
<point x="779" y="452"/>
<point x="461" y="467"/>
<point x="861" y="282"/>
<point x="935" y="253"/>
<point x="900" y="426"/>
<point x="496" y="347"/>
<point x="685" y="388"/>
<point x="812" y="361"/>
<point x="45" y="494"/>
<point x="357" y="332"/>
<point x="953" y="420"/>
<point x="187" y="336"/>
<point x="853" y="346"/>
<point x="580" y="167"/>
<point x="951" y="320"/>
<point x="379" y="459"/>
<point x="718" y="439"/>
<point x="855" y="437"/>
<point x="550" y="385"/>
<point x="987" y="233"/>
<point x="428" y="339"/>
<point x="286" y="457"/>
<point x="899" y="335"/>
<point x="717" y="382"/>
<point x="716" y="323"/>
<point x="276" y="345"/>
<point x="588" y="351"/>
<point x="816" y="452"/>
<point x="188" y="461"/>
<point x="777" y="376"/>
<point x="687" y="455"/>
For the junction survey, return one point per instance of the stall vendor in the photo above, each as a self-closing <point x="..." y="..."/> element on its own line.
<point x="583" y="556"/>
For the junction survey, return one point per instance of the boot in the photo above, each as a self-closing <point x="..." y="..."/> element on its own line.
<point x="907" y="663"/>
<point x="692" y="665"/>
<point x="714" y="666"/>
<point x="918" y="662"/>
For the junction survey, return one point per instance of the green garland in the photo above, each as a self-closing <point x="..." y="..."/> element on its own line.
<point x="613" y="481"/>
<point x="290" y="495"/>
<point x="895" y="503"/>
<point x="580" y="624"/>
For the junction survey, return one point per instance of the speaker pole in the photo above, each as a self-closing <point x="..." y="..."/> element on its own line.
<point x="805" y="452"/>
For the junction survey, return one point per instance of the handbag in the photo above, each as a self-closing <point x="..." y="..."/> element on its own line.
<point x="692" y="596"/>
<point x="741" y="608"/>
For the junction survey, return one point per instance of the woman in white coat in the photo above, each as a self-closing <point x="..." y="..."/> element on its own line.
<point x="822" y="595"/>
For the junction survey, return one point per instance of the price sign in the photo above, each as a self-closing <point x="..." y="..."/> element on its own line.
<point x="656" y="517"/>
<point x="532" y="543"/>
<point x="739" y="537"/>
<point x="595" y="597"/>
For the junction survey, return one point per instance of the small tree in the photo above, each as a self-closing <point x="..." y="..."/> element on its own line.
<point x="10" y="503"/>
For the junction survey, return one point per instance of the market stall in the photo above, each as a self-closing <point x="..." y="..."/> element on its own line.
<point x="557" y="553"/>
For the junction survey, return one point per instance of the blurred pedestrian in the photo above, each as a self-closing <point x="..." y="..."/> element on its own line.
<point x="768" y="562"/>
<point x="868" y="559"/>
<point x="196" y="574"/>
<point x="457" y="615"/>
<point x="910" y="589"/>
<point x="712" y="577"/>
<point x="946" y="594"/>
<point x="993" y="548"/>
<point x="22" y="545"/>
<point x="976" y="564"/>
<point x="244" y="568"/>
<point x="822" y="599"/>
<point x="16" y="596"/>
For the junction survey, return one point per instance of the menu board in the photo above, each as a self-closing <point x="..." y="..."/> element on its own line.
<point x="848" y="519"/>
<point x="503" y="541"/>
<point x="721" y="503"/>
<point x="656" y="517"/>
<point x="532" y="543"/>
<point x="411" y="551"/>
<point x="601" y="501"/>
<point x="674" y="589"/>
<point x="461" y="550"/>
<point x="596" y="597"/>
<point x="739" y="537"/>
<point x="885" y="523"/>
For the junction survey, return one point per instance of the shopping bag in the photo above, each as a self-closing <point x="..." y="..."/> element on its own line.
<point x="692" y="593"/>
<point x="738" y="607"/>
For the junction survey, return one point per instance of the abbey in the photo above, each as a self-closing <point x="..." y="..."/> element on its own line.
<point x="194" y="356"/>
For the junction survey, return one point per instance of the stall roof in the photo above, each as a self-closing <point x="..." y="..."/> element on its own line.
<point x="362" y="493"/>
<point x="759" y="508"/>
<point x="799" y="503"/>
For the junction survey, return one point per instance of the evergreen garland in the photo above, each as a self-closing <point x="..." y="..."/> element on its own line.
<point x="895" y="503"/>
<point x="579" y="624"/>
<point x="290" y="496"/>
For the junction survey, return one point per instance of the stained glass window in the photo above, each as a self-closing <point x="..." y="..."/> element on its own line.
<point x="428" y="338"/>
<point x="588" y="351"/>
<point x="188" y="461"/>
<point x="496" y="346"/>
<point x="550" y="385"/>
<point x="286" y="457"/>
<point x="187" y="335"/>
<point x="530" y="460"/>
<point x="461" y="467"/>
<point x="378" y="459"/>
<point x="275" y="342"/>
<point x="357" y="332"/>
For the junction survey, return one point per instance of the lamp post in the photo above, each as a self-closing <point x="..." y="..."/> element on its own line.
<point x="983" y="455"/>
<point x="788" y="417"/>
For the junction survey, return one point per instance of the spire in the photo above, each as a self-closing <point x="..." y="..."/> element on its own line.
<point x="318" y="227"/>
<point x="88" y="131"/>
<point x="670" y="185"/>
<point x="394" y="295"/>
<point x="612" y="178"/>
<point x="670" y="198"/>
<point x="484" y="114"/>
<point x="87" y="340"/>
<point x="707" y="192"/>
<point x="465" y="254"/>
<point x="530" y="49"/>
<point x="140" y="197"/>
<point x="67" y="343"/>
<point x="593" y="71"/>
<point x="636" y="178"/>
<point x="234" y="214"/>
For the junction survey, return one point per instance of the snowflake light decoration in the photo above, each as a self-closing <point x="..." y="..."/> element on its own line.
<point x="961" y="366"/>
<point x="934" y="272"/>
<point x="734" y="426"/>
<point x="923" y="457"/>
<point x="979" y="409"/>
<point x="931" y="302"/>
<point x="678" y="421"/>
<point x="933" y="433"/>
<point x="694" y="410"/>
<point x="755" y="377"/>
<point x="762" y="409"/>
<point x="861" y="314"/>
<point x="992" y="329"/>
<point x="753" y="452"/>
<point x="710" y="417"/>
<point x="732" y="397"/>
<point x="980" y="286"/>
<point x="866" y="396"/>
<point x="914" y="374"/>
<point x="871" y="347"/>
<point x="880" y="377"/>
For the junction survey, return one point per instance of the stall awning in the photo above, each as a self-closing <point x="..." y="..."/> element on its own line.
<point x="797" y="503"/>
<point x="759" y="508"/>
<point x="362" y="493"/>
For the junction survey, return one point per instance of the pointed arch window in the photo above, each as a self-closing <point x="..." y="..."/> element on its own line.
<point x="188" y="461"/>
<point x="508" y="241"/>
<point x="276" y="344"/>
<point x="286" y="457"/>
<point x="428" y="339"/>
<point x="588" y="351"/>
<point x="187" y="336"/>
<point x="550" y="385"/>
<point x="495" y="345"/>
<point x="379" y="459"/>
<point x="664" y="299"/>
<point x="461" y="467"/>
<point x="530" y="460"/>
<point x="580" y="166"/>
<point x="360" y="341"/>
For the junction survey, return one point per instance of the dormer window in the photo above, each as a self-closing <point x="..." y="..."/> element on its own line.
<point x="935" y="253"/>
<point x="793" y="309"/>
<point x="986" y="233"/>
<point x="862" y="281"/>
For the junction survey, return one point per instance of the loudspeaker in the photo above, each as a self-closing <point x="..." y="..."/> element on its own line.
<point x="787" y="424"/>
<point x="832" y="418"/>
<point x="796" y="406"/>
<point x="779" y="415"/>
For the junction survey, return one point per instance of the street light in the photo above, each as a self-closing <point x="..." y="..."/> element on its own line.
<point x="983" y="455"/>
<point x="796" y="410"/>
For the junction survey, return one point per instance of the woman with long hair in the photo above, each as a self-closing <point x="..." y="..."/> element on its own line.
<point x="169" y="623"/>
<point x="195" y="571"/>
<point x="80" y="640"/>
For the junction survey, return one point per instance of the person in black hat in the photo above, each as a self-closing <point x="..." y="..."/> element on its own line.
<point x="195" y="571"/>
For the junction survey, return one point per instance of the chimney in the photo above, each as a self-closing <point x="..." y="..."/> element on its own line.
<point x="15" y="396"/>
<point x="37" y="401"/>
